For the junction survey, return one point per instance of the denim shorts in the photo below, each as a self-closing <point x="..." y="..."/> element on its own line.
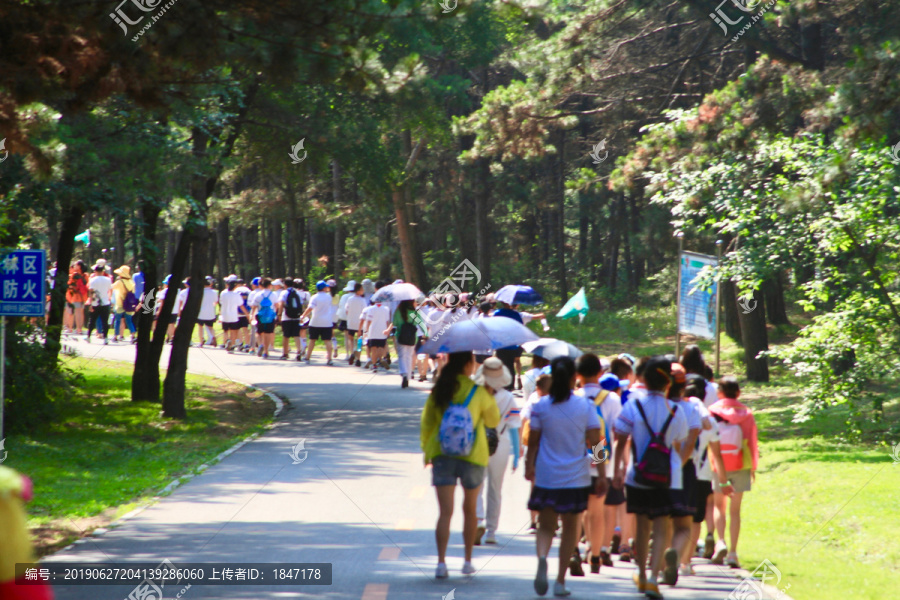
<point x="445" y="470"/>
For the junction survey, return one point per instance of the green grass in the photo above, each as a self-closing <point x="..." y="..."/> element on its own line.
<point x="822" y="510"/>
<point x="105" y="453"/>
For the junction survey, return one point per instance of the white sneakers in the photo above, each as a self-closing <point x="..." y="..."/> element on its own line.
<point x="441" y="571"/>
<point x="468" y="568"/>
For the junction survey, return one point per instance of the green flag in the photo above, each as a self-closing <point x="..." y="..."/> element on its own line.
<point x="577" y="305"/>
<point x="84" y="237"/>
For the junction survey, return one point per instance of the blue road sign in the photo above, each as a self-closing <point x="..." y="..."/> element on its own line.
<point x="22" y="283"/>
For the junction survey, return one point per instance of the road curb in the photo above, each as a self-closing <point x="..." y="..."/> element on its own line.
<point x="177" y="482"/>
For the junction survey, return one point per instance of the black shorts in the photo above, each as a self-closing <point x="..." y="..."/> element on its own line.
<point x="342" y="325"/>
<point x="242" y="322"/>
<point x="704" y="489"/>
<point x="378" y="343"/>
<point x="651" y="503"/>
<point x="206" y="322"/>
<point x="290" y="328"/>
<point x="320" y="333"/>
<point x="352" y="332"/>
<point x="614" y="497"/>
<point x="231" y="326"/>
<point x="173" y="318"/>
<point x="265" y="327"/>
<point x="593" y="483"/>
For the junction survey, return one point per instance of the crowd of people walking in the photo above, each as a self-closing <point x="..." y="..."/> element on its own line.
<point x="627" y="458"/>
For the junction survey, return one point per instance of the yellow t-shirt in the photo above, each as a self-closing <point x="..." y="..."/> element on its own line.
<point x="485" y="413"/>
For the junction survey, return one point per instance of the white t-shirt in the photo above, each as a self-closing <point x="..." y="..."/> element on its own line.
<point x="353" y="309"/>
<point x="702" y="463"/>
<point x="379" y="318"/>
<point x="208" y="305"/>
<point x="229" y="301"/>
<point x="510" y="411"/>
<point x="561" y="457"/>
<point x="712" y="394"/>
<point x="257" y="296"/>
<point x="631" y="423"/>
<point x="610" y="409"/>
<point x="342" y="306"/>
<point x="101" y="285"/>
<point x="322" y="308"/>
<point x="529" y="382"/>
<point x="181" y="300"/>
<point x="282" y="298"/>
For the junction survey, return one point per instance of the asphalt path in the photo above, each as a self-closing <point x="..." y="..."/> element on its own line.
<point x="359" y="499"/>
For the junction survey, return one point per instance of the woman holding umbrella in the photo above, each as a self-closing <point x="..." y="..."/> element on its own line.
<point x="453" y="393"/>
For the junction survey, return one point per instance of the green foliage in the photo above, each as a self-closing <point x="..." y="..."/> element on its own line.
<point x="35" y="383"/>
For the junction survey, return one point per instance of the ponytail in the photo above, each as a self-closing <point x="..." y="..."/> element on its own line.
<point x="562" y="369"/>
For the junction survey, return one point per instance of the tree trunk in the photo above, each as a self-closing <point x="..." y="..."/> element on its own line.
<point x="404" y="237"/>
<point x="65" y="247"/>
<point x="560" y="193"/>
<point x="811" y="47"/>
<point x="482" y="225"/>
<point x="145" y="377"/>
<point x="773" y="291"/>
<point x="756" y="339"/>
<point x="337" y="260"/>
<point x="222" y="235"/>
<point x="732" y="322"/>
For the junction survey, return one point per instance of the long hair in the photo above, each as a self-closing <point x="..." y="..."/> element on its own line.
<point x="448" y="381"/>
<point x="562" y="369"/>
<point x="692" y="360"/>
<point x="405" y="307"/>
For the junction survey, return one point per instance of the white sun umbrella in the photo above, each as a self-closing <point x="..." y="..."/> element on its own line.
<point x="397" y="292"/>
<point x="478" y="334"/>
<point x="551" y="348"/>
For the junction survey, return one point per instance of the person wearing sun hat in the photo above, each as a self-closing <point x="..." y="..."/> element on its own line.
<point x="121" y="288"/>
<point x="494" y="376"/>
<point x="15" y="491"/>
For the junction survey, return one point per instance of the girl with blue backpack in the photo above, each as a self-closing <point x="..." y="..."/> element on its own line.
<point x="455" y="444"/>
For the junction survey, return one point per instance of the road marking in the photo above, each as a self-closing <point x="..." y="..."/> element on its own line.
<point x="405" y="524"/>
<point x="418" y="492"/>
<point x="375" y="591"/>
<point x="389" y="553"/>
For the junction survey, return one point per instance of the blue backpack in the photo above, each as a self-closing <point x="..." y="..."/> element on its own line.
<point x="457" y="432"/>
<point x="266" y="313"/>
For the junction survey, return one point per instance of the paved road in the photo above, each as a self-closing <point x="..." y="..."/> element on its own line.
<point x="361" y="501"/>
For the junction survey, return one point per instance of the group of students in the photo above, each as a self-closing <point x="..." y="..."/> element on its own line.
<point x="104" y="298"/>
<point x="620" y="451"/>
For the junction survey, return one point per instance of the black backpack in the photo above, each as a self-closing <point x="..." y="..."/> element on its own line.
<point x="654" y="468"/>
<point x="293" y="308"/>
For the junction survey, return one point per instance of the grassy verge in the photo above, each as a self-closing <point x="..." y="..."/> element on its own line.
<point x="822" y="510"/>
<point x="105" y="454"/>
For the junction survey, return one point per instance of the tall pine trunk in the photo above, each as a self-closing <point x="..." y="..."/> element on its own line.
<point x="756" y="339"/>
<point x="145" y="377"/>
<point x="65" y="248"/>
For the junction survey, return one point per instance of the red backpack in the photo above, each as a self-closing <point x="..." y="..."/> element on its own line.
<point x="655" y="467"/>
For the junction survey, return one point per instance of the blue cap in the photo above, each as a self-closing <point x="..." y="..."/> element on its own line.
<point x="546" y="370"/>
<point x="624" y="383"/>
<point x="167" y="279"/>
<point x="254" y="281"/>
<point x="321" y="285"/>
<point x="609" y="382"/>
